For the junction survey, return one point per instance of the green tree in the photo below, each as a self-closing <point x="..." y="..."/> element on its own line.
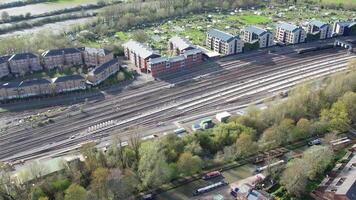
<point x="349" y="100"/>
<point x="75" y="192"/>
<point x="336" y="116"/>
<point x="99" y="182"/>
<point x="245" y="145"/>
<point x="318" y="159"/>
<point x="189" y="164"/>
<point x="294" y="177"/>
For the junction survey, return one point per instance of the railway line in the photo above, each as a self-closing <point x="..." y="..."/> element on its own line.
<point x="162" y="104"/>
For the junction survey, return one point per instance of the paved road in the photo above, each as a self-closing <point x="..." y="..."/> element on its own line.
<point x="226" y="84"/>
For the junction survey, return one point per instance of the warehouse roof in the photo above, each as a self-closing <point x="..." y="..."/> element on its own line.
<point x="142" y="50"/>
<point x="56" y="52"/>
<point x="288" y="26"/>
<point x="21" y="56"/>
<point x="317" y="23"/>
<point x="101" y="68"/>
<point x="67" y="78"/>
<point x="257" y="30"/>
<point x="227" y="37"/>
<point x="181" y="43"/>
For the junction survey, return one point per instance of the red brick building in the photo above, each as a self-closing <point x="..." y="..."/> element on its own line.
<point x="179" y="45"/>
<point x="139" y="54"/>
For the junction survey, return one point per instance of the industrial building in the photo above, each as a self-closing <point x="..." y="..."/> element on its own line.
<point x="316" y="27"/>
<point x="290" y="34"/>
<point x="253" y="34"/>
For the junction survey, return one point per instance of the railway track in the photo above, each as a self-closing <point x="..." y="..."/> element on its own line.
<point x="196" y="88"/>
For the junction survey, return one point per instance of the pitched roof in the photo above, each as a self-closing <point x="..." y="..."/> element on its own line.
<point x="4" y="59"/>
<point x="67" y="78"/>
<point x="102" y="52"/>
<point x="10" y="85"/>
<point x="21" y="56"/>
<point x="177" y="58"/>
<point x="158" y="60"/>
<point x="317" y="23"/>
<point x="181" y="43"/>
<point x="192" y="52"/>
<point x="142" y="50"/>
<point x="227" y="37"/>
<point x="288" y="26"/>
<point x="348" y="24"/>
<point x="56" y="52"/>
<point x="257" y="30"/>
<point x="99" y="69"/>
<point x="26" y="83"/>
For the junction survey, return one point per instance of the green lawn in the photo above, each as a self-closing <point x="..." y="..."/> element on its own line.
<point x="254" y="19"/>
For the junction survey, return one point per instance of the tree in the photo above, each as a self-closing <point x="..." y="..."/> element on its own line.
<point x="336" y="116"/>
<point x="349" y="100"/>
<point x="189" y="164"/>
<point x="99" y="182"/>
<point x="88" y="150"/>
<point x="75" y="192"/>
<point x="245" y="146"/>
<point x="121" y="184"/>
<point x="318" y="158"/>
<point x="140" y="36"/>
<point x="194" y="148"/>
<point x="294" y="177"/>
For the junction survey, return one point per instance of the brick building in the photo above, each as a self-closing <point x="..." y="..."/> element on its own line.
<point x="68" y="83"/>
<point x="223" y="43"/>
<point x="4" y="66"/>
<point x="102" y="72"/>
<point x="96" y="57"/>
<point x="290" y="34"/>
<point x="34" y="87"/>
<point x="9" y="90"/>
<point x="252" y="34"/>
<point x="22" y="63"/>
<point x="62" y="58"/>
<point x="318" y="27"/>
<point x="139" y="54"/>
<point x="179" y="45"/>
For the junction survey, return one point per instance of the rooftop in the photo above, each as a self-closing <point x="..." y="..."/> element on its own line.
<point x="67" y="78"/>
<point x="158" y="60"/>
<point x="101" y="68"/>
<point x="227" y="37"/>
<point x="349" y="24"/>
<point x="317" y="23"/>
<point x="21" y="56"/>
<point x="102" y="52"/>
<point x="32" y="82"/>
<point x="181" y="43"/>
<point x="288" y="26"/>
<point x="176" y="58"/>
<point x="257" y="30"/>
<point x="142" y="50"/>
<point x="10" y="85"/>
<point x="192" y="52"/>
<point x="56" y="52"/>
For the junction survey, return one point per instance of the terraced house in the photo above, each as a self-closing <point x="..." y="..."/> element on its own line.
<point x="102" y="72"/>
<point x="223" y="43"/>
<point x="34" y="87"/>
<point x="179" y="45"/>
<point x="68" y="83"/>
<point x="22" y="63"/>
<point x="62" y="58"/>
<point x="321" y="28"/>
<point x="344" y="28"/>
<point x="290" y="34"/>
<point x="96" y="57"/>
<point x="9" y="90"/>
<point x="252" y="34"/>
<point x="139" y="54"/>
<point x="4" y="66"/>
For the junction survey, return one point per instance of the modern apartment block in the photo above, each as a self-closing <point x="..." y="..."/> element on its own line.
<point x="165" y="65"/>
<point x="290" y="33"/>
<point x="96" y="57"/>
<point x="179" y="45"/>
<point x="4" y="66"/>
<point x="34" y="87"/>
<point x="252" y="34"/>
<point x="102" y="72"/>
<point x="318" y="27"/>
<point x="69" y="83"/>
<point x="62" y="58"/>
<point x="22" y="63"/>
<point x="344" y="28"/>
<point x="223" y="43"/>
<point x="139" y="54"/>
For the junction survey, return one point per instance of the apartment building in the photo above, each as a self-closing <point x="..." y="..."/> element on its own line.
<point x="22" y="63"/>
<point x="102" y="72"/>
<point x="9" y="90"/>
<point x="34" y="87"/>
<point x="165" y="65"/>
<point x="62" y="58"/>
<point x="68" y="83"/>
<point x="252" y="34"/>
<point x="344" y="28"/>
<point x="4" y="66"/>
<point x="318" y="27"/>
<point x="179" y="45"/>
<point x="290" y="34"/>
<point x="96" y="57"/>
<point x="223" y="43"/>
<point x="139" y="54"/>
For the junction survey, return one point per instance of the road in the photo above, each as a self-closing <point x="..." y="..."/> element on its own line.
<point x="226" y="84"/>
